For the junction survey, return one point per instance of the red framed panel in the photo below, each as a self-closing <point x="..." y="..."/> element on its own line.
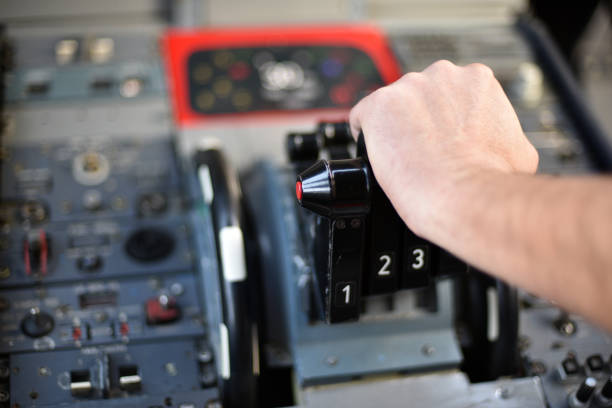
<point x="178" y="45"/>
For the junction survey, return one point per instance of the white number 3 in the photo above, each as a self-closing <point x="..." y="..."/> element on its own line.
<point x="419" y="260"/>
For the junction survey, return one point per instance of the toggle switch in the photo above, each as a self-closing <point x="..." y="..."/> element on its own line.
<point x="581" y="397"/>
<point x="604" y="398"/>
<point x="36" y="253"/>
<point x="129" y="378"/>
<point x="80" y="383"/>
<point x="162" y="310"/>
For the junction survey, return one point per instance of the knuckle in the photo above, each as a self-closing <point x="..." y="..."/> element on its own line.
<point x="481" y="69"/>
<point x="411" y="77"/>
<point x="534" y="159"/>
<point x="443" y="65"/>
<point x="385" y="95"/>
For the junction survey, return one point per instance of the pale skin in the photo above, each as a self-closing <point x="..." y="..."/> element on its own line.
<point x="447" y="148"/>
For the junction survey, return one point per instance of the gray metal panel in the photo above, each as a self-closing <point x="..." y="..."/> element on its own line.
<point x="445" y="390"/>
<point x="545" y="347"/>
<point x="168" y="370"/>
<point x="147" y="119"/>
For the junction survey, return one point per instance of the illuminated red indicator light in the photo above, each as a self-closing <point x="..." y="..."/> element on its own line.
<point x="298" y="190"/>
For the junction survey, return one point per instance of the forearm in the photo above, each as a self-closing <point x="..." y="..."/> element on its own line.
<point x="551" y="236"/>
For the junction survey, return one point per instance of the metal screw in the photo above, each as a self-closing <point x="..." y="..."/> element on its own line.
<point x="208" y="378"/>
<point x="502" y="393"/>
<point x="567" y="328"/>
<point x="5" y="372"/>
<point x="524" y="343"/>
<point x="4" y="396"/>
<point x="565" y="325"/>
<point x="44" y="371"/>
<point x="355" y="223"/>
<point x="66" y="206"/>
<point x="538" y="368"/>
<point x="341" y="224"/>
<point x="177" y="289"/>
<point x="118" y="203"/>
<point x="205" y="356"/>
<point x="557" y="345"/>
<point x="331" y="360"/>
<point x="428" y="350"/>
<point x="171" y="369"/>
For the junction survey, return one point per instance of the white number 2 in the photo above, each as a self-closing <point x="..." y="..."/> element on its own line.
<point x="386" y="260"/>
<point x="419" y="260"/>
<point x="347" y="294"/>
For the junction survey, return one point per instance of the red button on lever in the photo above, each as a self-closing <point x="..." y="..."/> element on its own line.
<point x="298" y="190"/>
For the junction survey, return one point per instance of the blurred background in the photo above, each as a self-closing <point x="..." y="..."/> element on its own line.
<point x="581" y="28"/>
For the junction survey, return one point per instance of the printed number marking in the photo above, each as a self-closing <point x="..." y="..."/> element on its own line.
<point x="347" y="294"/>
<point x="419" y="260"/>
<point x="386" y="260"/>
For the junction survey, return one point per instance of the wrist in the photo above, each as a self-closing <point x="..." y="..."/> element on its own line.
<point x="454" y="201"/>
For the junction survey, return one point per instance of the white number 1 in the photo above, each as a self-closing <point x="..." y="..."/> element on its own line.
<point x="420" y="258"/>
<point x="347" y="294"/>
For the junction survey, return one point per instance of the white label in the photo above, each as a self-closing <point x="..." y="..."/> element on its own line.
<point x="347" y="294"/>
<point x="384" y="270"/>
<point x="419" y="260"/>
<point x="206" y="184"/>
<point x="231" y="246"/>
<point x="225" y="355"/>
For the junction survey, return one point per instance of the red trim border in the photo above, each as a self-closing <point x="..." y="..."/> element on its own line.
<point x="177" y="45"/>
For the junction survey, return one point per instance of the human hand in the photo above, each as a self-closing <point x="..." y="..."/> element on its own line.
<point x="429" y="132"/>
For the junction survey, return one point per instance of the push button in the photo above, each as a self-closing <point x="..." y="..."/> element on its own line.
<point x="595" y="362"/>
<point x="570" y="366"/>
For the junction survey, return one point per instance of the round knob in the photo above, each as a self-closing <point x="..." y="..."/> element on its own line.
<point x="606" y="391"/>
<point x="37" y="323"/>
<point x="150" y="244"/>
<point x="586" y="390"/>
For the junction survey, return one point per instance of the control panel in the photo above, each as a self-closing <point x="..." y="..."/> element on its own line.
<point x="272" y="70"/>
<point x="199" y="228"/>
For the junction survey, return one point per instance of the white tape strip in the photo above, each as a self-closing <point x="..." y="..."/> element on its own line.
<point x="206" y="184"/>
<point x="225" y="353"/>
<point x="492" y="315"/>
<point x="231" y="245"/>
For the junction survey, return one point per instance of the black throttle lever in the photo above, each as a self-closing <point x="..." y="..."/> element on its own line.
<point x="364" y="248"/>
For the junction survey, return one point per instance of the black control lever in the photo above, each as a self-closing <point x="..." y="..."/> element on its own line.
<point x="369" y="250"/>
<point x="221" y="192"/>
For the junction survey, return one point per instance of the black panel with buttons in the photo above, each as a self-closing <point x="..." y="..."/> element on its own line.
<point x="361" y="245"/>
<point x="233" y="80"/>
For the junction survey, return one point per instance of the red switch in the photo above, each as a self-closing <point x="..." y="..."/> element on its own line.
<point x="77" y="333"/>
<point x="124" y="329"/>
<point x="162" y="310"/>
